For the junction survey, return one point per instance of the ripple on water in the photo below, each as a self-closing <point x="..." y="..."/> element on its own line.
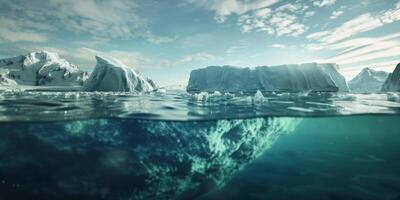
<point x="180" y="106"/>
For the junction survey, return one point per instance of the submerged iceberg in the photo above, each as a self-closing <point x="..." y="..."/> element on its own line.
<point x="40" y="68"/>
<point x="289" y="78"/>
<point x="392" y="83"/>
<point x="111" y="75"/>
<point x="131" y="159"/>
<point x="368" y="80"/>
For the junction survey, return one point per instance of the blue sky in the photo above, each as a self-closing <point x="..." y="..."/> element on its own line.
<point x="166" y="39"/>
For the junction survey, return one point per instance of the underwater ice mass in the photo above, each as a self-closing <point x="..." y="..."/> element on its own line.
<point x="129" y="159"/>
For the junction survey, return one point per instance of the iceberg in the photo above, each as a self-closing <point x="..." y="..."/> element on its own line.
<point x="132" y="159"/>
<point x="287" y="78"/>
<point x="40" y="68"/>
<point x="111" y="75"/>
<point x="392" y="83"/>
<point x="368" y="80"/>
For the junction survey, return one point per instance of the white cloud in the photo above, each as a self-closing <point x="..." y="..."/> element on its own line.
<point x="19" y="31"/>
<point x="225" y="8"/>
<point x="385" y="53"/>
<point x="309" y="14"/>
<point x="353" y="44"/>
<point x="106" y="19"/>
<point x="318" y="35"/>
<point x="265" y="12"/>
<point x="258" y="15"/>
<point x="240" y="47"/>
<point x="197" y="57"/>
<point x="336" y="14"/>
<point x="94" y="41"/>
<point x="279" y="46"/>
<point x="375" y="52"/>
<point x="282" y="21"/>
<point x="360" y="24"/>
<point x="322" y="3"/>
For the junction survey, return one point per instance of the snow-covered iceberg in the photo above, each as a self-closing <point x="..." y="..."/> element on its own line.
<point x="288" y="78"/>
<point x="392" y="83"/>
<point x="111" y="75"/>
<point x="368" y="80"/>
<point x="40" y="68"/>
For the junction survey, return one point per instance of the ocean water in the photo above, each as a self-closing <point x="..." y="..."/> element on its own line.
<point x="173" y="145"/>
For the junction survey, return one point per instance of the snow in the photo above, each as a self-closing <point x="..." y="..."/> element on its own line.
<point x="392" y="83"/>
<point x="288" y="78"/>
<point x="368" y="80"/>
<point x="40" y="68"/>
<point x="111" y="75"/>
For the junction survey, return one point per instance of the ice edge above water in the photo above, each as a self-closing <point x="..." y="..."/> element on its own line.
<point x="181" y="106"/>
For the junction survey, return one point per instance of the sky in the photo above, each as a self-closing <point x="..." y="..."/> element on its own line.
<point x="166" y="39"/>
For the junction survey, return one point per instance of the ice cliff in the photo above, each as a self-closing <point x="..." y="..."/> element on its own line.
<point x="40" y="68"/>
<point x="112" y="75"/>
<point x="288" y="78"/>
<point x="368" y="80"/>
<point x="392" y="83"/>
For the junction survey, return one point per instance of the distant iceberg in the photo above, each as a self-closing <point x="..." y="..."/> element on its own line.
<point x="111" y="75"/>
<point x="288" y="78"/>
<point x="368" y="80"/>
<point x="392" y="83"/>
<point x="40" y="68"/>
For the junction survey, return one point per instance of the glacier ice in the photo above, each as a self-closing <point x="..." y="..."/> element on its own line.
<point x="288" y="78"/>
<point x="132" y="159"/>
<point x="111" y="75"/>
<point x="368" y="80"/>
<point x="40" y="68"/>
<point x="392" y="83"/>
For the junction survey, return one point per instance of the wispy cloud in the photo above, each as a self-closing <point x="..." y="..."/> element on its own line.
<point x="374" y="52"/>
<point x="363" y="23"/>
<point x="279" y="46"/>
<point x="225" y="8"/>
<point x="106" y="19"/>
<point x="354" y="52"/>
<point x="241" y="46"/>
<point x="20" y="31"/>
<point x="258" y="15"/>
<point x="336" y="14"/>
<point x="322" y="3"/>
<point x="197" y="57"/>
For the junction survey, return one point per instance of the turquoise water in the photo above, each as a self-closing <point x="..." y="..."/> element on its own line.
<point x="325" y="158"/>
<point x="180" y="146"/>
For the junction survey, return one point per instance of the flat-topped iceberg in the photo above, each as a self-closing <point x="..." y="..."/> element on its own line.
<point x="392" y="83"/>
<point x="111" y="75"/>
<point x="40" y="68"/>
<point x="368" y="80"/>
<point x="288" y="78"/>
